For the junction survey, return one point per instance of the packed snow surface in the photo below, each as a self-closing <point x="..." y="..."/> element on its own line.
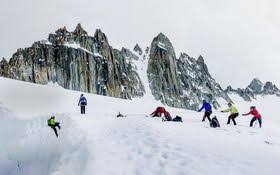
<point x="99" y="143"/>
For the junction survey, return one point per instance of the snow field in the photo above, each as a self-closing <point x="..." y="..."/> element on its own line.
<point x="100" y="143"/>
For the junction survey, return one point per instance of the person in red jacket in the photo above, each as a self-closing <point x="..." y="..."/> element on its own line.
<point x="158" y="112"/>
<point x="256" y="115"/>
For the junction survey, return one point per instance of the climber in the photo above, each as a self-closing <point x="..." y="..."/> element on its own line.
<point x="158" y="112"/>
<point x="233" y="113"/>
<point x="256" y="115"/>
<point x="82" y="103"/>
<point x="208" y="110"/>
<point x="52" y="123"/>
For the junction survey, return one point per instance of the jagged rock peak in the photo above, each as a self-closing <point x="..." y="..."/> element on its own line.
<point x="184" y="55"/>
<point x="200" y="59"/>
<point x="270" y="88"/>
<point x="79" y="30"/>
<point x="138" y="49"/>
<point x="256" y="85"/>
<point x="100" y="36"/>
<point x="161" y="36"/>
<point x="128" y="54"/>
<point x="161" y="41"/>
<point x="229" y="88"/>
<point x="61" y="30"/>
<point x="161" y="48"/>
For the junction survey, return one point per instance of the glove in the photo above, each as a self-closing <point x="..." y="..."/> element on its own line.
<point x="222" y="111"/>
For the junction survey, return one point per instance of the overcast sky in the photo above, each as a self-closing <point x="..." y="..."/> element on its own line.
<point x="239" y="39"/>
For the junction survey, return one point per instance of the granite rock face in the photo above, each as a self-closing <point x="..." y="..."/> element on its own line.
<point x="182" y="82"/>
<point x="79" y="62"/>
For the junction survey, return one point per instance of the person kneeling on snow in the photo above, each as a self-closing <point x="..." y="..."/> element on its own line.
<point x="256" y="114"/>
<point x="158" y="112"/>
<point x="234" y="113"/>
<point x="52" y="123"/>
<point x="82" y="103"/>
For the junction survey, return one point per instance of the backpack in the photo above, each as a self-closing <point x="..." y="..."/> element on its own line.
<point x="214" y="122"/>
<point x="177" y="119"/>
<point x="83" y="101"/>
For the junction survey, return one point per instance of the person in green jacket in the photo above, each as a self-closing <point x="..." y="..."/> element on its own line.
<point x="233" y="113"/>
<point x="53" y="124"/>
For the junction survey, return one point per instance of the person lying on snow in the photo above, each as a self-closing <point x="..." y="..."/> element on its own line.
<point x="120" y="115"/>
<point x="208" y="110"/>
<point x="52" y="123"/>
<point x="233" y="113"/>
<point x="158" y="112"/>
<point x="256" y="114"/>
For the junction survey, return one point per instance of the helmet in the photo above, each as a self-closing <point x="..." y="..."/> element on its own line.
<point x="252" y="107"/>
<point x="53" y="117"/>
<point x="229" y="104"/>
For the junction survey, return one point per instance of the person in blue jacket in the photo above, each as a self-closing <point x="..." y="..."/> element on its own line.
<point x="83" y="103"/>
<point x="208" y="110"/>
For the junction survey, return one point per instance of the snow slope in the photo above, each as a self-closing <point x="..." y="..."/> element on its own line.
<point x="99" y="143"/>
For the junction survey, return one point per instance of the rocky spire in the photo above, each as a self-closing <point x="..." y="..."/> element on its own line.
<point x="256" y="86"/>
<point x="79" y="31"/>
<point x="60" y="36"/>
<point x="162" y="72"/>
<point x="138" y="49"/>
<point x="102" y="44"/>
<point x="271" y="89"/>
<point x="182" y="82"/>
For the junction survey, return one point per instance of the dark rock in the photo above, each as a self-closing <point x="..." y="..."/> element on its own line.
<point x="138" y="49"/>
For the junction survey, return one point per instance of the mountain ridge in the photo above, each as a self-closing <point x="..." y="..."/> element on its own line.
<point x="86" y="63"/>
